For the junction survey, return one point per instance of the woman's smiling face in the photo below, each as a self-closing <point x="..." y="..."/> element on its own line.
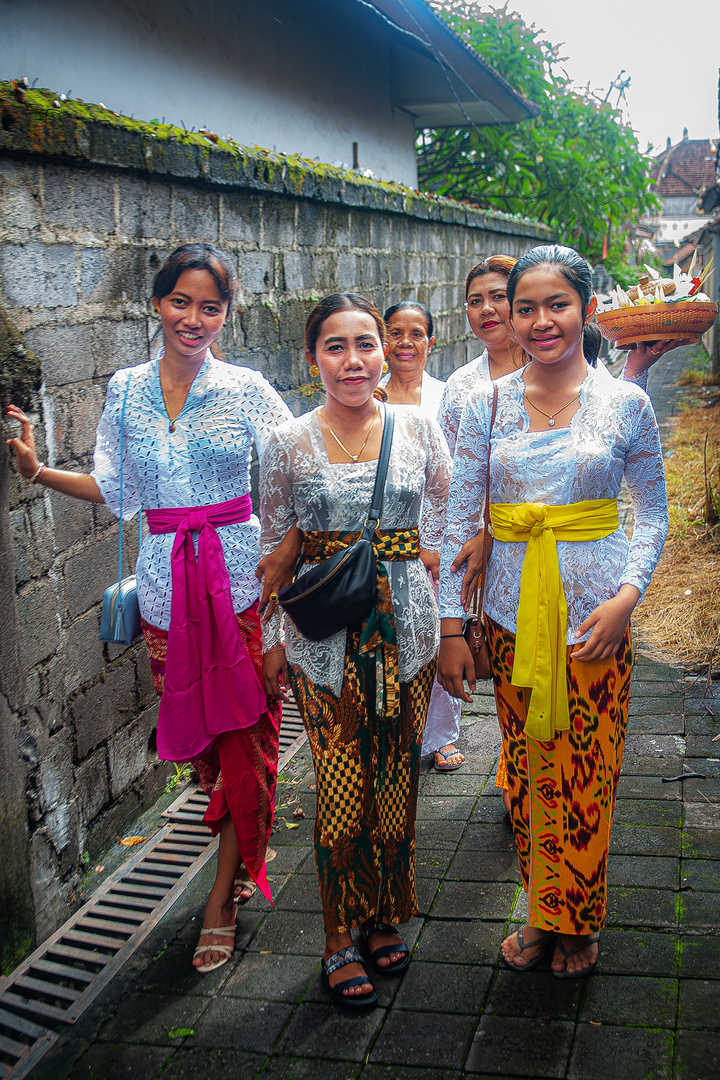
<point x="488" y="311"/>
<point x="349" y="354"/>
<point x="548" y="316"/>
<point x="409" y="344"/>
<point x="192" y="315"/>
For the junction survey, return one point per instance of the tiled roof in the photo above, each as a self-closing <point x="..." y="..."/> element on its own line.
<point x="686" y="168"/>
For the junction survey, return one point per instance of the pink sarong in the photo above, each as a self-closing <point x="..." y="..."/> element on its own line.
<point x="211" y="685"/>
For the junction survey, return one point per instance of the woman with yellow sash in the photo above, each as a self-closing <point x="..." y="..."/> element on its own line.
<point x="563" y="580"/>
<point x="363" y="692"/>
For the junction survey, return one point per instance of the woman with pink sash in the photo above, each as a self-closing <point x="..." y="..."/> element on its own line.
<point x="189" y="423"/>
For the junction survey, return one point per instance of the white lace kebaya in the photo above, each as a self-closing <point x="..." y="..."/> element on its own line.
<point x="457" y="390"/>
<point x="613" y="434"/>
<point x="298" y="483"/>
<point x="205" y="460"/>
<point x="466" y="378"/>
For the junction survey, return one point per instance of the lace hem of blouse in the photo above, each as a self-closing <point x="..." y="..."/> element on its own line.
<point x="205" y="460"/>
<point x="298" y="483"/>
<point x="613" y="434"/>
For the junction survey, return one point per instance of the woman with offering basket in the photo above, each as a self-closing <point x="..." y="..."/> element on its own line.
<point x="563" y="580"/>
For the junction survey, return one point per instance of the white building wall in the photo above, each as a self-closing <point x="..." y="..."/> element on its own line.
<point x="299" y="76"/>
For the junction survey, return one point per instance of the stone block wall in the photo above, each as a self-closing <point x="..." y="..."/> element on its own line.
<point x="87" y="215"/>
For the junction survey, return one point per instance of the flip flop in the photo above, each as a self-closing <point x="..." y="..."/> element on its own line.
<point x="544" y="942"/>
<point x="567" y="953"/>
<point x="446" y="767"/>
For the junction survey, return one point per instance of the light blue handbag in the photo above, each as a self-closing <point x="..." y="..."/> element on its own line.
<point x="120" y="621"/>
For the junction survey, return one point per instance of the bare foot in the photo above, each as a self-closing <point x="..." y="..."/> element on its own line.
<point x="217" y="913"/>
<point x="448" y="757"/>
<point x="505" y="796"/>
<point x="512" y="947"/>
<point x="335" y="942"/>
<point x="583" y="959"/>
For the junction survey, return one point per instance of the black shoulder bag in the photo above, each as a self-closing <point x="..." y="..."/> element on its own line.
<point x="341" y="590"/>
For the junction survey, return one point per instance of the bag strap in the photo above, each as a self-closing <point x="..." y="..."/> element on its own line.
<point x="480" y="591"/>
<point x="378" y="495"/>
<point x="122" y="470"/>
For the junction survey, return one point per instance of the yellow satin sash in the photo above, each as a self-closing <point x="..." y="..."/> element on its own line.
<point x="540" y="642"/>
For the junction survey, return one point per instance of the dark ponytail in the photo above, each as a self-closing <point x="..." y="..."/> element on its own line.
<point x="592" y="340"/>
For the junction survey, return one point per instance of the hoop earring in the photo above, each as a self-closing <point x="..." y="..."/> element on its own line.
<point x="314" y="371"/>
<point x="385" y="367"/>
<point x="157" y="310"/>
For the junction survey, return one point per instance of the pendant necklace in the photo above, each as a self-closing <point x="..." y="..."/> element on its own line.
<point x="550" y="416"/>
<point x="353" y="457"/>
<point x="172" y="419"/>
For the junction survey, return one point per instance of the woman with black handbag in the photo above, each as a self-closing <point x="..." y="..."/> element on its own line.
<point x="364" y="690"/>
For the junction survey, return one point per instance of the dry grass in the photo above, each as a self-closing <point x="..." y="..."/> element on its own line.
<point x="679" y="620"/>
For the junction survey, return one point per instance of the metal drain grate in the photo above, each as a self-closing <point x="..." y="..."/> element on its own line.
<point x="57" y="983"/>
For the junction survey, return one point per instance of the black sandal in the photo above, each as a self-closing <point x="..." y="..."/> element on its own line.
<point x="374" y="955"/>
<point x="541" y="943"/>
<point x="340" y="959"/>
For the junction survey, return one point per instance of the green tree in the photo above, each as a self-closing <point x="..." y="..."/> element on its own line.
<point x="575" y="166"/>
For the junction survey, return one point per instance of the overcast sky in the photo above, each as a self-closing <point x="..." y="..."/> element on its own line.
<point x="670" y="50"/>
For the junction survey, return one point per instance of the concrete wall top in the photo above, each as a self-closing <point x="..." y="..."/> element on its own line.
<point x="42" y="124"/>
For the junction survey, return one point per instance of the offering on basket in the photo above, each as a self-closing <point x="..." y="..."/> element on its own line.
<point x="658" y="309"/>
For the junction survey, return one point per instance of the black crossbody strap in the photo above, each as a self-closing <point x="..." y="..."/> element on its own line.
<point x="378" y="494"/>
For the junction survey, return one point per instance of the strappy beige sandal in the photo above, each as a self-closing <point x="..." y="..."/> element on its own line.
<point x="243" y="882"/>
<point x="225" y="950"/>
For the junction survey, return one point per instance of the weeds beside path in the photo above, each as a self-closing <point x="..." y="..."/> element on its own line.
<point x="679" y="620"/>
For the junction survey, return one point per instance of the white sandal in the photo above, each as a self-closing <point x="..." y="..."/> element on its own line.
<point x="226" y="950"/>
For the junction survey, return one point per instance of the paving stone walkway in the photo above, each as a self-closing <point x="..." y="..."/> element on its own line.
<point x="651" y="1012"/>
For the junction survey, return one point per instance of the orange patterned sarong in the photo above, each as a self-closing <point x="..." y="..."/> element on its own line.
<point x="562" y="792"/>
<point x="239" y="772"/>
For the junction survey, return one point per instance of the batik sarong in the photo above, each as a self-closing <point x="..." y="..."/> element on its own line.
<point x="562" y="792"/>
<point x="367" y="774"/>
<point x="239" y="773"/>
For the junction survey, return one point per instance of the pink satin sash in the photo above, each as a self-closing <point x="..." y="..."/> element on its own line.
<point x="210" y="683"/>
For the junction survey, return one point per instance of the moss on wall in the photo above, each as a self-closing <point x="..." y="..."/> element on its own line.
<point x="20" y="373"/>
<point x="39" y="122"/>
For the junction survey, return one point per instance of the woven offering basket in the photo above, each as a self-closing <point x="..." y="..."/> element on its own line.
<point x="657" y="322"/>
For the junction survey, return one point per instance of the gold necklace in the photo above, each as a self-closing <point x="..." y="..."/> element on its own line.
<point x="550" y="416"/>
<point x="172" y="419"/>
<point x="353" y="457"/>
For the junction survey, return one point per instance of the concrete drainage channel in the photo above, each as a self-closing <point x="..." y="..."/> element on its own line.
<point x="60" y="980"/>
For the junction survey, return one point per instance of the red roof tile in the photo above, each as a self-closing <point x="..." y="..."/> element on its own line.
<point x="685" y="168"/>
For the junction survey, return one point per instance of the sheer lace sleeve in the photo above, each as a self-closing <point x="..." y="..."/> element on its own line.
<point x="641" y="379"/>
<point x="277" y="514"/>
<point x="645" y="478"/>
<point x="466" y="495"/>
<point x="263" y="408"/>
<point x="106" y="465"/>
<point x="437" y="481"/>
